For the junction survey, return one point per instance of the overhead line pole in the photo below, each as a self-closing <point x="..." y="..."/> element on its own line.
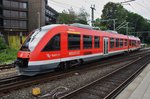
<point x="124" y="25"/>
<point x="127" y="23"/>
<point x="92" y="16"/>
<point x="121" y="25"/>
<point x="127" y="28"/>
<point x="114" y="22"/>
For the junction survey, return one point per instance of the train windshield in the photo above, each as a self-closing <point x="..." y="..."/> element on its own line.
<point x="34" y="38"/>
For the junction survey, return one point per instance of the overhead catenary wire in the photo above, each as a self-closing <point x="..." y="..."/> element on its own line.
<point x="142" y="6"/>
<point x="60" y="6"/>
<point x="65" y="3"/>
<point x="67" y="6"/>
<point x="133" y="8"/>
<point x="85" y="3"/>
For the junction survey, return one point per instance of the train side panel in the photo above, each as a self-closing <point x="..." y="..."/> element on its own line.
<point x="63" y="45"/>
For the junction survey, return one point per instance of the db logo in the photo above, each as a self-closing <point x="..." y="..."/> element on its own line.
<point x="48" y="55"/>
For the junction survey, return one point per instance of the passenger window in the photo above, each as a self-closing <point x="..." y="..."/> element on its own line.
<point x="97" y="42"/>
<point x="87" y="42"/>
<point x="117" y="42"/>
<point x="53" y="44"/>
<point x="112" y="42"/>
<point x="121" y="42"/>
<point x="126" y="42"/>
<point x="134" y="43"/>
<point x="73" y="41"/>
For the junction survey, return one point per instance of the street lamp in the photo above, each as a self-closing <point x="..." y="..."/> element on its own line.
<point x="38" y="19"/>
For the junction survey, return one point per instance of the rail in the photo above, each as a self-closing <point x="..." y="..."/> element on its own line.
<point x="9" y="84"/>
<point x="108" y="86"/>
<point x="6" y="66"/>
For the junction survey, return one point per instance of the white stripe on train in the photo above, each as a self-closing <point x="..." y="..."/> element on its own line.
<point x="33" y="63"/>
<point x="61" y="59"/>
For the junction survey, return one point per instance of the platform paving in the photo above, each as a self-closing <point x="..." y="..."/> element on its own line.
<point x="139" y="88"/>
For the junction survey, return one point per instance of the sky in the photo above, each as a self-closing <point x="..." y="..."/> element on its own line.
<point x="141" y="7"/>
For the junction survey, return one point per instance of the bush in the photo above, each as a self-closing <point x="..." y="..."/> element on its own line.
<point x="2" y="43"/>
<point x="7" y="55"/>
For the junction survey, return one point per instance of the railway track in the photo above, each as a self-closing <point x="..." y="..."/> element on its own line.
<point x="6" y="66"/>
<point x="108" y="86"/>
<point x="17" y="82"/>
<point x="9" y="66"/>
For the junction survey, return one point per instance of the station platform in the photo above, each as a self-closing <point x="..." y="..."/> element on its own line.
<point x="139" y="88"/>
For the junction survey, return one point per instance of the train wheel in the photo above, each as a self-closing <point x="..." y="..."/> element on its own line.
<point x="63" y="66"/>
<point x="81" y="62"/>
<point x="126" y="53"/>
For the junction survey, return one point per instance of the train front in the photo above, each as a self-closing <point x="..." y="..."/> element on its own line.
<point x="28" y="50"/>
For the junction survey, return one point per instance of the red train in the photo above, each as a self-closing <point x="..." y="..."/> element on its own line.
<point x="62" y="46"/>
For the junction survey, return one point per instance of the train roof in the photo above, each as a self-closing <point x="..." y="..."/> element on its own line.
<point x="81" y="26"/>
<point x="131" y="37"/>
<point x="48" y="27"/>
<point x="86" y="29"/>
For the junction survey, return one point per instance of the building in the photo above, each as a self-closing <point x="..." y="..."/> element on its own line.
<point x="40" y="14"/>
<point x="13" y="16"/>
<point x="23" y="16"/>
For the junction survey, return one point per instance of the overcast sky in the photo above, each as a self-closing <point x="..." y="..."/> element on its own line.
<point x="142" y="7"/>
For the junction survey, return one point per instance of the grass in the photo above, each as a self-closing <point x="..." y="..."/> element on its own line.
<point x="7" y="55"/>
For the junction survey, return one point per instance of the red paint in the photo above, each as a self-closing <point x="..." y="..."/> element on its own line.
<point x="37" y="55"/>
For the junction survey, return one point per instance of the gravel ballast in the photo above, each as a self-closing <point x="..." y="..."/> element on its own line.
<point x="73" y="82"/>
<point x="8" y="73"/>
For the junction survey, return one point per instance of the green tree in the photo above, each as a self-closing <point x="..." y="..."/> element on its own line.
<point x="138" y="22"/>
<point x="69" y="17"/>
<point x="113" y="11"/>
<point x="116" y="11"/>
<point x="82" y="16"/>
<point x="97" y="23"/>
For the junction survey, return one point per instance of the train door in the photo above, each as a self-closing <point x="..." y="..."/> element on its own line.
<point x="105" y="47"/>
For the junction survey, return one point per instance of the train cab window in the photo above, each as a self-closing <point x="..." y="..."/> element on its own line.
<point x="117" y="42"/>
<point x="97" y="42"/>
<point x="87" y="42"/>
<point x="126" y="42"/>
<point x="121" y="42"/>
<point x="53" y="44"/>
<point x="73" y="41"/>
<point x="112" y="42"/>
